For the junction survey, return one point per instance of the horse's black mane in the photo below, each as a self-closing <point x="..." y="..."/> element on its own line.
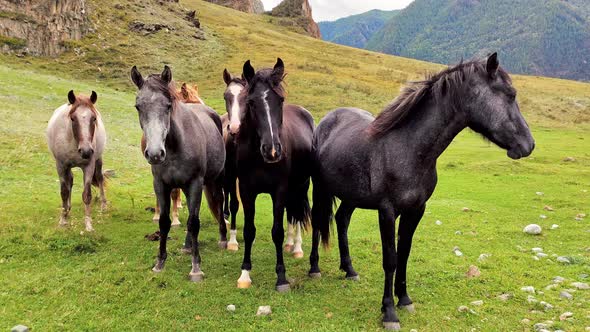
<point x="167" y="89"/>
<point x="266" y="76"/>
<point x="447" y="82"/>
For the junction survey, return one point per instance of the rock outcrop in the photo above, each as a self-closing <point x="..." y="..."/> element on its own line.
<point x="247" y="6"/>
<point x="40" y="27"/>
<point x="299" y="11"/>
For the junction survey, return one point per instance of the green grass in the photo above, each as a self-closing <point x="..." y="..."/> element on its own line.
<point x="59" y="279"/>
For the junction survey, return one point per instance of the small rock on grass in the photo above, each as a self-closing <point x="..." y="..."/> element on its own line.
<point x="542" y="255"/>
<point x="528" y="289"/>
<point x="580" y="285"/>
<point x="533" y="229"/>
<point x="566" y="315"/>
<point x="477" y="303"/>
<point x="483" y="257"/>
<point x="554" y="226"/>
<point x="558" y="279"/>
<point x="537" y="249"/>
<point x="466" y="209"/>
<point x="19" y="328"/>
<point x="546" y="306"/>
<point x="473" y="272"/>
<point x="548" y="208"/>
<point x="566" y="295"/>
<point x="505" y="296"/>
<point x="465" y="308"/>
<point x="231" y="308"/>
<point x="540" y="193"/>
<point x="457" y="252"/>
<point x="564" y="260"/>
<point x="525" y="321"/>
<point x="264" y="310"/>
<point x="438" y="222"/>
<point x="542" y="216"/>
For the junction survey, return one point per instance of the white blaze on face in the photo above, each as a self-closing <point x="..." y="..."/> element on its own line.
<point x="234" y="121"/>
<point x="267" y="109"/>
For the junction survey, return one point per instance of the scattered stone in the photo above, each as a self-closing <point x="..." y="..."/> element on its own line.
<point x="542" y="216"/>
<point x="525" y="321"/>
<point x="457" y="252"/>
<point x="148" y="29"/>
<point x="546" y="306"/>
<point x="554" y="226"/>
<point x="20" y="328"/>
<point x="569" y="159"/>
<point x="505" y="296"/>
<point x="552" y="286"/>
<point x="473" y="272"/>
<point x="438" y="222"/>
<point x="580" y="285"/>
<point x="231" y="308"/>
<point x="542" y="255"/>
<point x="536" y="258"/>
<point x="579" y="219"/>
<point x="533" y="229"/>
<point x="540" y="193"/>
<point x="528" y="289"/>
<point x="413" y="330"/>
<point x="483" y="257"/>
<point x="264" y="310"/>
<point x="198" y="317"/>
<point x="537" y="249"/>
<point x="558" y="280"/>
<point x="458" y="233"/>
<point x="564" y="260"/>
<point x="540" y="326"/>
<point x="464" y="308"/>
<point x="329" y="315"/>
<point x="581" y="215"/>
<point x="547" y="208"/>
<point x="466" y="209"/>
<point x="583" y="276"/>
<point x="566" y="315"/>
<point x="531" y="299"/>
<point x="477" y="303"/>
<point x="191" y="16"/>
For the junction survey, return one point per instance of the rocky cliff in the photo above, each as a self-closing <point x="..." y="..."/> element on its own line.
<point x="40" y="27"/>
<point x="299" y="11"/>
<point x="247" y="6"/>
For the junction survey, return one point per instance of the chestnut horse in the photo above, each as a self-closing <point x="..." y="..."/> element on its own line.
<point x="76" y="137"/>
<point x="189" y="95"/>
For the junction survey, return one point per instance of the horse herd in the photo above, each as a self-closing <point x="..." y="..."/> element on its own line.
<point x="387" y="163"/>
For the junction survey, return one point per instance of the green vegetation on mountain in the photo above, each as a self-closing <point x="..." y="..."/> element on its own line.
<point x="355" y="30"/>
<point x="543" y="37"/>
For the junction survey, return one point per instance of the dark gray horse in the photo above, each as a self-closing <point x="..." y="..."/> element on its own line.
<point x="389" y="163"/>
<point x="185" y="147"/>
<point x="274" y="156"/>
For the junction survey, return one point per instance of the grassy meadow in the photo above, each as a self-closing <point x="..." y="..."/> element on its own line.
<point x="54" y="279"/>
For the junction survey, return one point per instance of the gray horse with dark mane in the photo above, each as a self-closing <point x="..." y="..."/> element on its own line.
<point x="185" y="147"/>
<point x="388" y="163"/>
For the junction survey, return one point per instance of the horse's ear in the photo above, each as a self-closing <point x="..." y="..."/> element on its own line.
<point x="71" y="97"/>
<point x="493" y="64"/>
<point x="183" y="90"/>
<point x="278" y="71"/>
<point x="136" y="77"/>
<point x="93" y="97"/>
<point x="226" y="77"/>
<point x="166" y="75"/>
<point x="248" y="71"/>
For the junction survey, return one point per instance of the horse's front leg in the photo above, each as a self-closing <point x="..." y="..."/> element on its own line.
<point x="278" y="236"/>
<point x="100" y="179"/>
<point x="387" y="228"/>
<point x="66" y="180"/>
<point x="194" y="194"/>
<point x="249" y="205"/>
<point x="163" y="196"/>
<point x="343" y="216"/>
<point x="87" y="195"/>
<point x="234" y="206"/>
<point x="407" y="226"/>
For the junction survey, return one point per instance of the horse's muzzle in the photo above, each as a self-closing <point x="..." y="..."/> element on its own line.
<point x="86" y="153"/>
<point x="155" y="157"/>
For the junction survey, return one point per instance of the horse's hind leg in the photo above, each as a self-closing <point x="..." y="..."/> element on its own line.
<point x="156" y="217"/>
<point x="99" y="177"/>
<point x="321" y="214"/>
<point x="66" y="180"/>
<point x="278" y="235"/>
<point x="408" y="223"/>
<point x="342" y="222"/>
<point x="163" y="195"/>
<point x="249" y="205"/>
<point x="387" y="228"/>
<point x="193" y="195"/>
<point x="233" y="245"/>
<point x="214" y="195"/>
<point x="175" y="195"/>
<point x="87" y="196"/>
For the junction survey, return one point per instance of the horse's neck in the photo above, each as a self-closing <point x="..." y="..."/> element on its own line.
<point x="175" y="138"/>
<point x="431" y="129"/>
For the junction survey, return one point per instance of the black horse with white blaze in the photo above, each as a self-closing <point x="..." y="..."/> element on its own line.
<point x="388" y="163"/>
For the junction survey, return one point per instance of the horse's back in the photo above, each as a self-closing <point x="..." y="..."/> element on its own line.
<point x="299" y="127"/>
<point x="210" y="122"/>
<point x="342" y="123"/>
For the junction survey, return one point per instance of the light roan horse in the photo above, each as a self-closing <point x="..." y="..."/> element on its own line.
<point x="274" y="156"/>
<point x="76" y="137"/>
<point x="188" y="95"/>
<point x="184" y="145"/>
<point x="389" y="163"/>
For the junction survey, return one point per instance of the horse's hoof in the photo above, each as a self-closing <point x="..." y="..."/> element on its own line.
<point x="197" y="276"/>
<point x="391" y="326"/>
<point x="283" y="288"/>
<point x="298" y="254"/>
<point x="63" y="224"/>
<point x="288" y="247"/>
<point x="222" y="244"/>
<point x="315" y="275"/>
<point x="244" y="284"/>
<point x="156" y="269"/>
<point x="232" y="246"/>
<point x="176" y="223"/>
<point x="186" y="251"/>
<point x="353" y="277"/>
<point x="156" y="220"/>
<point x="410" y="308"/>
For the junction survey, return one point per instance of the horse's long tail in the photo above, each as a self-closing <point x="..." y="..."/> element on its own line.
<point x="298" y="208"/>
<point x="322" y="212"/>
<point x="214" y="195"/>
<point x="100" y="176"/>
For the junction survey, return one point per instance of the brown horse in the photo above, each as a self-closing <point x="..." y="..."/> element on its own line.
<point x="188" y="95"/>
<point x="76" y="138"/>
